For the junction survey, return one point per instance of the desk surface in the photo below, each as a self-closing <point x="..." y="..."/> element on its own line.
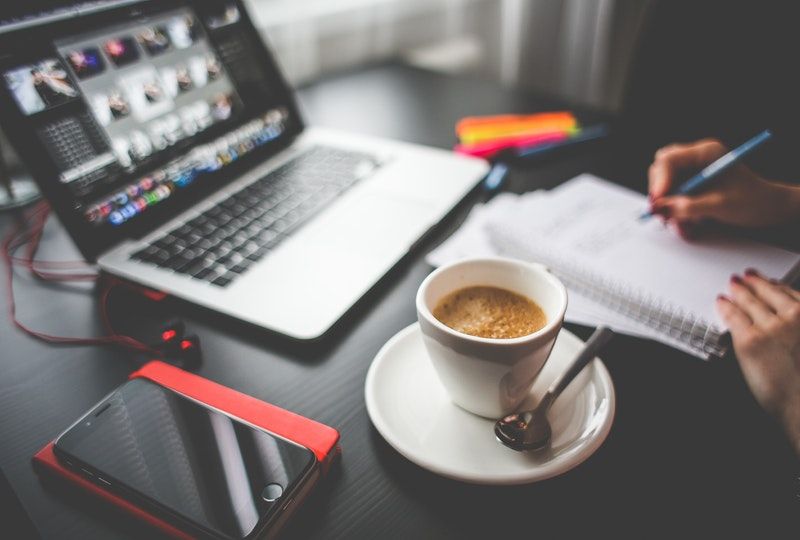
<point x="688" y="445"/>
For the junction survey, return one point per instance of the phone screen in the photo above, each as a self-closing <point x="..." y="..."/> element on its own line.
<point x="211" y="469"/>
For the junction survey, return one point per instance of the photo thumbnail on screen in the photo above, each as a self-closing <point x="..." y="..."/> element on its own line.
<point x="145" y="94"/>
<point x="182" y="31"/>
<point x="154" y="40"/>
<point x="121" y="51"/>
<point x="177" y="80"/>
<point x="225" y="15"/>
<point x="109" y="106"/>
<point x="213" y="67"/>
<point x="40" y="86"/>
<point x="86" y="62"/>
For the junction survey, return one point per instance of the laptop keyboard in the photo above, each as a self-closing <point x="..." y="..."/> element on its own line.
<point x="226" y="240"/>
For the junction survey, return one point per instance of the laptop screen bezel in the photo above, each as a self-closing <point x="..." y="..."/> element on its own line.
<point x="92" y="240"/>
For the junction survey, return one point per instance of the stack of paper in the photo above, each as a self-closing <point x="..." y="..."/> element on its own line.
<point x="588" y="228"/>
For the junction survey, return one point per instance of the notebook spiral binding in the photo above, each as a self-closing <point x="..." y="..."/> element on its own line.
<point x="656" y="313"/>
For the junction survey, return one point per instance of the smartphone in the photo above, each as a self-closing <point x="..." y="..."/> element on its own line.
<point x="207" y="472"/>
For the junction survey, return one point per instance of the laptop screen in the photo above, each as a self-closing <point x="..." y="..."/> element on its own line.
<point x="133" y="108"/>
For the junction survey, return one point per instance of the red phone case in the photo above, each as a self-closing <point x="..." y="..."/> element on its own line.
<point x="319" y="438"/>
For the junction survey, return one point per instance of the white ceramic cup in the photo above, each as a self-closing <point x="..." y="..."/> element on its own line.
<point x="486" y="376"/>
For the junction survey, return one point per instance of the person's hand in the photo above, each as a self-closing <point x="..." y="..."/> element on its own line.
<point x="763" y="317"/>
<point x="738" y="197"/>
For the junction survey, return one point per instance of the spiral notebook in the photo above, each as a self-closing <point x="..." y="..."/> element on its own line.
<point x="621" y="269"/>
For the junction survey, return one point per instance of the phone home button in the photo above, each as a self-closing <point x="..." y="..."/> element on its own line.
<point x="272" y="492"/>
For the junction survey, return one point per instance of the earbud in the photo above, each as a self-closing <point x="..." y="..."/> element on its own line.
<point x="190" y="353"/>
<point x="177" y="348"/>
<point x="171" y="332"/>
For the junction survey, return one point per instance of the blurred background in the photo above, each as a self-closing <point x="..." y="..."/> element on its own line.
<point x="663" y="70"/>
<point x="574" y="49"/>
<point x="577" y="50"/>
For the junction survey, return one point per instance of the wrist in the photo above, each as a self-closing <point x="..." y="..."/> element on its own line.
<point x="790" y="419"/>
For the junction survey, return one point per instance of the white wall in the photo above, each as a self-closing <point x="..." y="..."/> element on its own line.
<point x="575" y="49"/>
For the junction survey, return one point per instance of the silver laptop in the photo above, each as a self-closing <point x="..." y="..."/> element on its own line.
<point x="172" y="149"/>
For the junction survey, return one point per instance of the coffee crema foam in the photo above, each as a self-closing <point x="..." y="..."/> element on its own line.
<point x="490" y="312"/>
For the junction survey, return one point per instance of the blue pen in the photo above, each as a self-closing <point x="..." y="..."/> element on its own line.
<point x="707" y="175"/>
<point x="496" y="177"/>
<point x="586" y="134"/>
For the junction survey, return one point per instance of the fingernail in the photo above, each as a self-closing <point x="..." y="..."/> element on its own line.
<point x="736" y="279"/>
<point x="775" y="281"/>
<point x="722" y="298"/>
<point x="751" y="272"/>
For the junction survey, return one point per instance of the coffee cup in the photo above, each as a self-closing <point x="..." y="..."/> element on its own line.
<point x="490" y="377"/>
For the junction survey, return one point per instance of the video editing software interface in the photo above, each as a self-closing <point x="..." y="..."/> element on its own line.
<point x="120" y="110"/>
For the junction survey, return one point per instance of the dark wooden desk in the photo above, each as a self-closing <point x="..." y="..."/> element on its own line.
<point x="689" y="450"/>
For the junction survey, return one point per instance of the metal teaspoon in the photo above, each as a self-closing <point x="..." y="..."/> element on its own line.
<point x="530" y="430"/>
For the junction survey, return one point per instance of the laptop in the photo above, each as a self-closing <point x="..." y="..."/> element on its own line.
<point x="173" y="151"/>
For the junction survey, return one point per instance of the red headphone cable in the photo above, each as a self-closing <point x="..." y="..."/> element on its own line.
<point x="43" y="270"/>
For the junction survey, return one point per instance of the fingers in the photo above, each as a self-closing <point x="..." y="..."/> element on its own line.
<point x="676" y="157"/>
<point x="735" y="319"/>
<point x="659" y="177"/>
<point x="695" y="208"/>
<point x="788" y="290"/>
<point x="794" y="293"/>
<point x="747" y="301"/>
<point x="758" y="301"/>
<point x="778" y="298"/>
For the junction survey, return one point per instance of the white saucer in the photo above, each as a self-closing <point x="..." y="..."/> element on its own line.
<point x="411" y="410"/>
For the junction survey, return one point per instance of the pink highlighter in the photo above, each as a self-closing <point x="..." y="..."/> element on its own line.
<point x="490" y="148"/>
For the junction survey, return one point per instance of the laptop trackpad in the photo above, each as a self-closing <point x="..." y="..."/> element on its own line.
<point x="370" y="224"/>
<point x="307" y="283"/>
